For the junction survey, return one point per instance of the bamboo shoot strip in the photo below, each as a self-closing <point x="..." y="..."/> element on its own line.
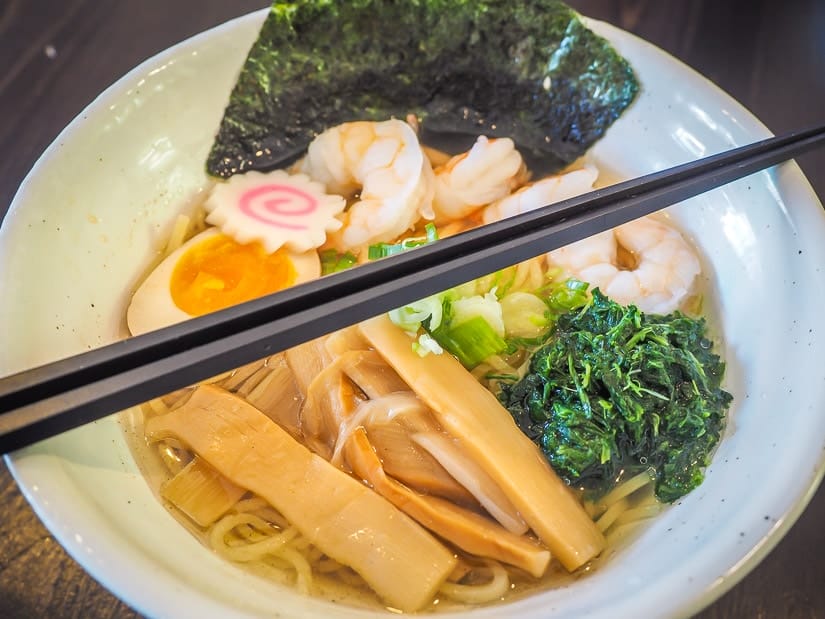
<point x="471" y="413"/>
<point x="347" y="521"/>
<point x="201" y="492"/>
<point x="468" y="530"/>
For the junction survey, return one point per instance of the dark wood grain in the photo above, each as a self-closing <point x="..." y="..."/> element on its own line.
<point x="55" y="57"/>
<point x="37" y="578"/>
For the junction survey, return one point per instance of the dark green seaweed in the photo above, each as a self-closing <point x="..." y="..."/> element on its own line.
<point x="615" y="389"/>
<point x="529" y="70"/>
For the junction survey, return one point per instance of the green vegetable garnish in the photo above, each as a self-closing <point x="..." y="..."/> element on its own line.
<point x="529" y="70"/>
<point x="382" y="250"/>
<point x="332" y="261"/>
<point x="614" y="389"/>
<point x="567" y="295"/>
<point x="471" y="341"/>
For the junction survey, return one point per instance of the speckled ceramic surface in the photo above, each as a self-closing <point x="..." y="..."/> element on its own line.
<point x="82" y="227"/>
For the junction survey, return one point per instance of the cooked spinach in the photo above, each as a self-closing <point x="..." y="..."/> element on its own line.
<point x="616" y="389"/>
<point x="529" y="70"/>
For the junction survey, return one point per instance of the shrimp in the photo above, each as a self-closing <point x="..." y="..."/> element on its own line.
<point x="661" y="271"/>
<point x="490" y="170"/>
<point x="542" y="192"/>
<point x="383" y="163"/>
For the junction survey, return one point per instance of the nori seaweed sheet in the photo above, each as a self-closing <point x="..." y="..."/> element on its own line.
<point x="529" y="70"/>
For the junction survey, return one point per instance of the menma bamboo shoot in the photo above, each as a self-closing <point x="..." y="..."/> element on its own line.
<point x="469" y="412"/>
<point x="345" y="519"/>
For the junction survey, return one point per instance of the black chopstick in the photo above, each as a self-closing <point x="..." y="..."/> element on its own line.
<point x="50" y="399"/>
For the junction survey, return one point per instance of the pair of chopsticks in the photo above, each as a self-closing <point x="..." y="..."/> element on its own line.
<point x="44" y="401"/>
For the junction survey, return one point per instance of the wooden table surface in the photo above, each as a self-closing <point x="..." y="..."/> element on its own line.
<point x="56" y="56"/>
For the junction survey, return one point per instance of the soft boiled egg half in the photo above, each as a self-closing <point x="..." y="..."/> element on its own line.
<point x="210" y="272"/>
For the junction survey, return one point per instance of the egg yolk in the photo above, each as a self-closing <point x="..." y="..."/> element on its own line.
<point x="219" y="272"/>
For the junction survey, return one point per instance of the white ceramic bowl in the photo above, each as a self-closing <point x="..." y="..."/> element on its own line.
<point x="86" y="219"/>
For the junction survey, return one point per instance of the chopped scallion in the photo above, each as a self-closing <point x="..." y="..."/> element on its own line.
<point x="332" y="261"/>
<point x="471" y="341"/>
<point x="382" y="250"/>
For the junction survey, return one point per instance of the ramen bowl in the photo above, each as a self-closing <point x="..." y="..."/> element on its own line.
<point x="103" y="198"/>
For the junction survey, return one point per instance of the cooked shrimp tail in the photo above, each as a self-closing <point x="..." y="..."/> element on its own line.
<point x="542" y="192"/>
<point x="645" y="262"/>
<point x="383" y="164"/>
<point x="487" y="172"/>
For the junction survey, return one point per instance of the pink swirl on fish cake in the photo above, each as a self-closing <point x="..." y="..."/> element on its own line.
<point x="271" y="204"/>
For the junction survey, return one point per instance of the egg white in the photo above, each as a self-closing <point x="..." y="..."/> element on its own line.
<point x="152" y="306"/>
